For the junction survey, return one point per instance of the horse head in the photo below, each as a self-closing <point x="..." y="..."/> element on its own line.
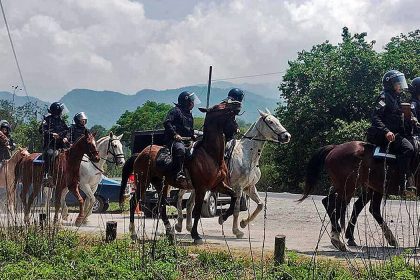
<point x="115" y="149"/>
<point x="87" y="145"/>
<point x="271" y="129"/>
<point x="222" y="115"/>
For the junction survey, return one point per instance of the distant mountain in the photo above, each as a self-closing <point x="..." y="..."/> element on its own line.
<point x="21" y="100"/>
<point x="105" y="107"/>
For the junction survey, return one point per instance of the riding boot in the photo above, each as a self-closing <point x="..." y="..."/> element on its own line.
<point x="178" y="164"/>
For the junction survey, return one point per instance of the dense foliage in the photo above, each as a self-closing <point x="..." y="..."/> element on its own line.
<point x="329" y="93"/>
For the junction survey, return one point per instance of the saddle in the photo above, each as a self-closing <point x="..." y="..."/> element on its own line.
<point x="164" y="157"/>
<point x="381" y="153"/>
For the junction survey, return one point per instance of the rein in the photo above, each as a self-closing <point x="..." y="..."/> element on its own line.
<point x="263" y="140"/>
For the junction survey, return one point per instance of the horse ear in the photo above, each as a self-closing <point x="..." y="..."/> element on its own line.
<point x="119" y="137"/>
<point x="262" y="114"/>
<point x="268" y="111"/>
<point x="204" y="110"/>
<point x="111" y="134"/>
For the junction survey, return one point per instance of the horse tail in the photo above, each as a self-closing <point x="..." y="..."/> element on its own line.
<point x="127" y="170"/>
<point x="313" y="169"/>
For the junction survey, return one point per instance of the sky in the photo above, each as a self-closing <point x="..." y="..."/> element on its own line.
<point x="127" y="45"/>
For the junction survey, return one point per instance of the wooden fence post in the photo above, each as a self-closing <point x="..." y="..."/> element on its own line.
<point x="279" y="249"/>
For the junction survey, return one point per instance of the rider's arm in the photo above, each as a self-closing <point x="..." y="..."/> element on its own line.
<point x="64" y="130"/>
<point x="378" y="114"/>
<point x="168" y="124"/>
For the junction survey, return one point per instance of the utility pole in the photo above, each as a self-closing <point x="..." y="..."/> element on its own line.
<point x="208" y="87"/>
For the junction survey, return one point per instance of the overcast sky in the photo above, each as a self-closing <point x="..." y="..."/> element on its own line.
<point x="126" y="46"/>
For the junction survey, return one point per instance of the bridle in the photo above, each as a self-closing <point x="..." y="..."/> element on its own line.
<point x="279" y="135"/>
<point x="111" y="151"/>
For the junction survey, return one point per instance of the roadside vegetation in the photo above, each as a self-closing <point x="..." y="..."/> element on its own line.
<point x="42" y="254"/>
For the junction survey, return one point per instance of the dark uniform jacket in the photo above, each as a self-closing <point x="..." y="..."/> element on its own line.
<point x="52" y="125"/>
<point x="5" y="141"/>
<point x="75" y="132"/>
<point x="415" y="109"/>
<point x="387" y="116"/>
<point x="178" y="121"/>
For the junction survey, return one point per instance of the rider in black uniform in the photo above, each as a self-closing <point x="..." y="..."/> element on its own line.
<point x="78" y="129"/>
<point x="7" y="144"/>
<point x="54" y="131"/>
<point x="179" y="124"/>
<point x="414" y="89"/>
<point x="388" y="125"/>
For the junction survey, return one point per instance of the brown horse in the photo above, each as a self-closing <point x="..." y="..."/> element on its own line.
<point x="65" y="174"/>
<point x="206" y="168"/>
<point x="7" y="176"/>
<point x="350" y="165"/>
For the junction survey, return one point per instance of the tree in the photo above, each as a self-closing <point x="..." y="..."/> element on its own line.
<point x="149" y="116"/>
<point x="99" y="130"/>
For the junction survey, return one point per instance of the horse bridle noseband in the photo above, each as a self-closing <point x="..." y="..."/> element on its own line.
<point x="112" y="152"/>
<point x="269" y="126"/>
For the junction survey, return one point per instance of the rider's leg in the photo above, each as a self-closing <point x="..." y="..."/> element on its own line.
<point x="178" y="154"/>
<point x="405" y="152"/>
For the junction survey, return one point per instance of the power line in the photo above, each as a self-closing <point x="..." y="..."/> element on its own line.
<point x="14" y="52"/>
<point x="248" y="76"/>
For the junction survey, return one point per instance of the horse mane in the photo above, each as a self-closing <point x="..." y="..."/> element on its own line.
<point x="100" y="140"/>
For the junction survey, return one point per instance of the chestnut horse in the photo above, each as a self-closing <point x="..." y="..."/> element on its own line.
<point x="350" y="165"/>
<point x="206" y="168"/>
<point x="65" y="174"/>
<point x="7" y="177"/>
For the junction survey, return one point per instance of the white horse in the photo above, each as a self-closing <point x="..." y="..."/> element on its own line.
<point x="244" y="171"/>
<point x="110" y="150"/>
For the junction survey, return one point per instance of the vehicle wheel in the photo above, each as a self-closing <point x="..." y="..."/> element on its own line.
<point x="209" y="207"/>
<point x="243" y="204"/>
<point x="99" y="206"/>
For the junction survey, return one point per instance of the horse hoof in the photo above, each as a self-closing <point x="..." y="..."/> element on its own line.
<point x="242" y="224"/>
<point x="198" y="241"/>
<point x="178" y="227"/>
<point x="239" y="234"/>
<point x="79" y="222"/>
<point x="352" y="243"/>
<point x="339" y="245"/>
<point x="189" y="228"/>
<point x="221" y="220"/>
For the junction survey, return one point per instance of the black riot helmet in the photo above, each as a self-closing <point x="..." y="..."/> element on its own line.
<point x="414" y="87"/>
<point x="187" y="97"/>
<point x="79" y="117"/>
<point x="56" y="108"/>
<point x="393" y="77"/>
<point x="5" y="124"/>
<point x="236" y="94"/>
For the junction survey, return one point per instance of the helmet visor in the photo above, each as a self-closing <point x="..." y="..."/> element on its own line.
<point x="194" y="98"/>
<point x="399" y="80"/>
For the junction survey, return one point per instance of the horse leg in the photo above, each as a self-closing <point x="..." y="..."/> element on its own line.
<point x="357" y="208"/>
<point x="23" y="195"/>
<point x="65" y="211"/>
<point x="190" y="206"/>
<point x="224" y="189"/>
<point x="253" y="194"/>
<point x="57" y="202"/>
<point x="162" y="192"/>
<point x="180" y="218"/>
<point x="80" y="218"/>
<point x="333" y="206"/>
<point x="36" y="189"/>
<point x="199" y="199"/>
<point x="375" y="210"/>
<point x="90" y="199"/>
<point x="235" y="229"/>
<point x="135" y="199"/>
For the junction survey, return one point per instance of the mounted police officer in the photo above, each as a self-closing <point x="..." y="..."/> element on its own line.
<point x="414" y="89"/>
<point x="388" y="125"/>
<point x="6" y="143"/>
<point x="54" y="130"/>
<point x="179" y="124"/>
<point x="78" y="128"/>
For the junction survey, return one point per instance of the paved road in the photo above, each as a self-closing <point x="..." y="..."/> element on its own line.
<point x="300" y="222"/>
